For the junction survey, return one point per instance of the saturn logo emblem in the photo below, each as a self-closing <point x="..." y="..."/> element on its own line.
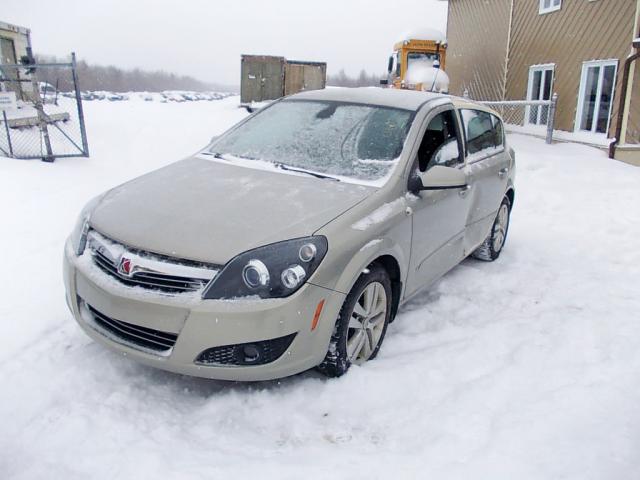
<point x="124" y="267"/>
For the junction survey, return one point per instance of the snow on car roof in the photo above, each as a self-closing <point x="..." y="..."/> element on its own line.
<point x="385" y="97"/>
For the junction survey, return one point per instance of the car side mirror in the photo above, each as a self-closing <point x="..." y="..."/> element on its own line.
<point x="390" y="65"/>
<point x="438" y="178"/>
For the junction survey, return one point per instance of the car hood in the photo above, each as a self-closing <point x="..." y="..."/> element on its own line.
<point x="210" y="211"/>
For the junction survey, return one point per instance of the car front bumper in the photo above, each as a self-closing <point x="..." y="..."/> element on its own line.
<point x="201" y="325"/>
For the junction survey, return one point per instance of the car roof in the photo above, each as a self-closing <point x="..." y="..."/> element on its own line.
<point x="386" y="97"/>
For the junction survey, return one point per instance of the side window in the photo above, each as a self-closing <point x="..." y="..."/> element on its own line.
<point x="483" y="131"/>
<point x="440" y="143"/>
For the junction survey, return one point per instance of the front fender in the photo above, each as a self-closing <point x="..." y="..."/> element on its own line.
<point x="354" y="243"/>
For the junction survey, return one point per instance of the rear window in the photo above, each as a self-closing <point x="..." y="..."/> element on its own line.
<point x="483" y="131"/>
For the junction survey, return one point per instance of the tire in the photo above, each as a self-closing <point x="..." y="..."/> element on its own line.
<point x="359" y="326"/>
<point x="494" y="243"/>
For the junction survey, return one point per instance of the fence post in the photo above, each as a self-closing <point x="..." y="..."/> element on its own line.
<point x="39" y="106"/>
<point x="551" y="118"/>
<point x="83" y="130"/>
<point x="6" y="126"/>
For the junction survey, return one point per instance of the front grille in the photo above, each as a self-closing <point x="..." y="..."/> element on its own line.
<point x="158" y="281"/>
<point x="144" y="337"/>
<point x="154" y="271"/>
<point x="268" y="351"/>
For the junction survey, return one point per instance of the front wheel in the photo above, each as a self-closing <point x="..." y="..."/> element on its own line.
<point x="493" y="244"/>
<point x="362" y="323"/>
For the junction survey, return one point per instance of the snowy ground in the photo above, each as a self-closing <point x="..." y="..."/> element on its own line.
<point x="528" y="368"/>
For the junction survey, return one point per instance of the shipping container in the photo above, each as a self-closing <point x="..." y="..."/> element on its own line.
<point x="265" y="77"/>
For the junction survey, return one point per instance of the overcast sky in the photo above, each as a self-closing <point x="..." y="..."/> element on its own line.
<point x="205" y="38"/>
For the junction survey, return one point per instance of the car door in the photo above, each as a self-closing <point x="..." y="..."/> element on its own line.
<point x="438" y="216"/>
<point x="487" y="166"/>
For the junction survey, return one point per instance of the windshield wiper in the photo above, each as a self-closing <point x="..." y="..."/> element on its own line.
<point x="214" y="155"/>
<point x="300" y="170"/>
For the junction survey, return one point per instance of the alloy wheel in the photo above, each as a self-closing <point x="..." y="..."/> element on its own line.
<point x="366" y="323"/>
<point x="502" y="223"/>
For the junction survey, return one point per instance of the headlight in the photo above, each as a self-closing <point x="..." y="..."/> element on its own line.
<point x="81" y="229"/>
<point x="272" y="271"/>
<point x="79" y="234"/>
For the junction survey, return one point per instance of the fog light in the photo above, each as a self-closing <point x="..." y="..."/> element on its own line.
<point x="251" y="353"/>
<point x="255" y="274"/>
<point x="293" y="276"/>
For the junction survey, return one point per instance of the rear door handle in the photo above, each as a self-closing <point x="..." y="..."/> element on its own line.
<point x="503" y="172"/>
<point x="464" y="190"/>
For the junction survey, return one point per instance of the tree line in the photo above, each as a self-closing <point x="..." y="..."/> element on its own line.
<point x="93" y="77"/>
<point x="97" y="77"/>
<point x="364" y="79"/>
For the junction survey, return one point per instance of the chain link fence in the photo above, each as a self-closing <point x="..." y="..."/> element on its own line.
<point x="47" y="119"/>
<point x="528" y="116"/>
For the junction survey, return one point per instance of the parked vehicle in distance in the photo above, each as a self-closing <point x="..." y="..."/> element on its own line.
<point x="48" y="93"/>
<point x="291" y="240"/>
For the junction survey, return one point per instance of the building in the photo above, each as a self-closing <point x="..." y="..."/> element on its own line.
<point x="14" y="41"/>
<point x="528" y="49"/>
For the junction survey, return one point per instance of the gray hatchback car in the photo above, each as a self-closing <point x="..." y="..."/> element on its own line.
<point x="291" y="240"/>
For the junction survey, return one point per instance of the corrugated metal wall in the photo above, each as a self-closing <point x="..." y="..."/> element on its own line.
<point x="633" y="121"/>
<point x="477" y="37"/>
<point x="580" y="31"/>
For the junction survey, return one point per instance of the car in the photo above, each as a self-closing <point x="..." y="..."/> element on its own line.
<point x="48" y="93"/>
<point x="291" y="240"/>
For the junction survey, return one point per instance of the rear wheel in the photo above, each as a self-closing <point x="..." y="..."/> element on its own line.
<point x="361" y="325"/>
<point x="493" y="244"/>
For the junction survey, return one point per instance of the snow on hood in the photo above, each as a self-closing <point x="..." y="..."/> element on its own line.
<point x="210" y="212"/>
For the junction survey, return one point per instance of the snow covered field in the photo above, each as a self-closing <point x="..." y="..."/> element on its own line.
<point x="527" y="368"/>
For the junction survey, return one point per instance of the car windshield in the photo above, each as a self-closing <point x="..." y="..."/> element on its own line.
<point x="361" y="142"/>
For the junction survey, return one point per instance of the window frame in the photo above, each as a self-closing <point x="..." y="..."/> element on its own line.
<point x="413" y="163"/>
<point x="480" y="156"/>
<point x="542" y="10"/>
<point x="542" y="67"/>
<point x="582" y="91"/>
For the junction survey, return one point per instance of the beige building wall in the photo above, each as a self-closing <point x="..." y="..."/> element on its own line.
<point x="582" y="30"/>
<point x="478" y="33"/>
<point x="632" y="130"/>
<point x="633" y="119"/>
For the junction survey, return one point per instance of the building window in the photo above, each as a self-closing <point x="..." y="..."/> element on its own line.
<point x="540" y="88"/>
<point x="547" y="6"/>
<point x="597" y="87"/>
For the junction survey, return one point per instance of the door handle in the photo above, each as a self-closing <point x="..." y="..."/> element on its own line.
<point x="464" y="190"/>
<point x="503" y="172"/>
